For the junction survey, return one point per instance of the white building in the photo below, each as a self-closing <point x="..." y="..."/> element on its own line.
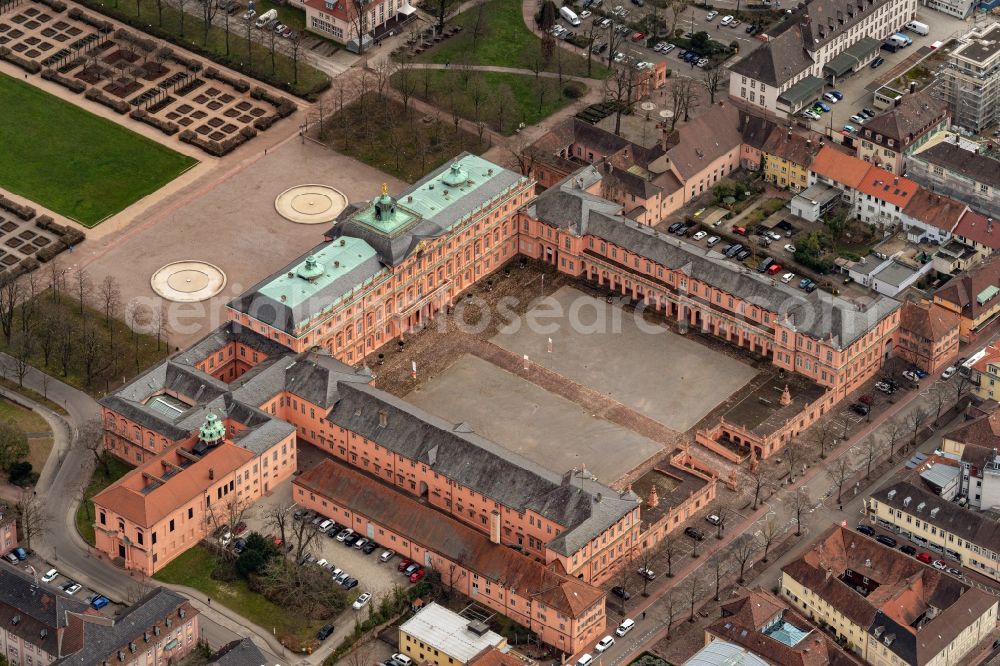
<point x="818" y="43"/>
<point x="970" y="83"/>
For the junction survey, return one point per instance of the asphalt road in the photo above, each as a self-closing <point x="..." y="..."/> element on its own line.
<point x="64" y="474"/>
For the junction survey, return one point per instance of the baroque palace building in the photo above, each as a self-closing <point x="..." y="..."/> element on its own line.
<point x="217" y="425"/>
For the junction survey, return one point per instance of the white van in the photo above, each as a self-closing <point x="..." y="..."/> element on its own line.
<point x="918" y="27"/>
<point x="625" y="627"/>
<point x="570" y="16"/>
<point x="266" y="18"/>
<point x="585" y="660"/>
<point x="898" y="41"/>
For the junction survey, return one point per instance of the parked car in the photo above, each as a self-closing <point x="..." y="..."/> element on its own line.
<point x="625" y="627"/>
<point x="877" y="62"/>
<point x="858" y="118"/>
<point x="908" y="550"/>
<point x="50" y="576"/>
<point x="11" y="557"/>
<point x="344" y="534"/>
<point x="411" y="568"/>
<point x="621" y="592"/>
<point x="402" y="659"/>
<point x="352" y="539"/>
<point x="940" y="565"/>
<point x="99" y="602"/>
<point x="239" y="546"/>
<point x="743" y="255"/>
<point x="726" y="20"/>
<point x="350" y="583"/>
<point x="694" y="533"/>
<point x="955" y="572"/>
<point x="711" y="15"/>
<point x="787" y="277"/>
<point x="739" y="231"/>
<point x="860" y="408"/>
<point x="361" y="543"/>
<point x="638" y="36"/>
<point x="850" y="129"/>
<point x="403" y="563"/>
<point x="790" y="249"/>
<point x="648" y="574"/>
<point x="712" y="241"/>
<point x="386" y="555"/>
<point x="417" y="575"/>
<point x="341" y="577"/>
<point x="886" y="540"/>
<point x="804" y="283"/>
<point x="884" y="388"/>
<point x="830" y="98"/>
<point x="369" y="548"/>
<point x="324" y="632"/>
<point x="774" y="269"/>
<point x="698" y="236"/>
<point x="71" y="587"/>
<point x="249" y="15"/>
<point x="604" y="644"/>
<point x="912" y="376"/>
<point x="925" y="558"/>
<point x="821" y="106"/>
<point x="949" y="372"/>
<point x="867" y="531"/>
<point x="713" y="518"/>
<point x="362" y="599"/>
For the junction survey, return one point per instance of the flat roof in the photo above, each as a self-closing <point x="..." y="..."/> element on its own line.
<point x="895" y="274"/>
<point x="981" y="47"/>
<point x="449" y="632"/>
<point x="722" y="653"/>
<point x="762" y="413"/>
<point x="802" y="90"/>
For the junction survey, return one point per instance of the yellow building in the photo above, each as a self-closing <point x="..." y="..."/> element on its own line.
<point x="943" y="528"/>
<point x="974" y="296"/>
<point x="987" y="373"/>
<point x="787" y="156"/>
<point x="438" y="636"/>
<point x="887" y="607"/>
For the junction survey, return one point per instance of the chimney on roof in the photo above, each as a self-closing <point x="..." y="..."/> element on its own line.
<point x="654" y="498"/>
<point x="211" y="473"/>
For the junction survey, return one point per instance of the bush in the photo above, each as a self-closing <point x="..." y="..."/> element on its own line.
<point x="22" y="211"/>
<point x="164" y="126"/>
<point x="118" y="105"/>
<point x="241" y="85"/>
<point x="574" y="90"/>
<point x="73" y="85"/>
<point x="58" y="6"/>
<point x="21" y="474"/>
<point x="30" y="66"/>
<point x="50" y="252"/>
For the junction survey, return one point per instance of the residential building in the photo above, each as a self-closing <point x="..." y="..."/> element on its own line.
<point x="951" y="165"/>
<point x="973" y="445"/>
<point x="959" y="8"/>
<point x="881" y="197"/>
<point x="241" y="652"/>
<point x="354" y="22"/>
<point x="987" y="369"/>
<point x="496" y="657"/>
<point x="788" y="156"/>
<point x="885" y="606"/>
<point x="839" y="170"/>
<point x="888" y="137"/>
<point x="549" y="516"/>
<point x="973" y="297"/>
<point x="768" y="628"/>
<point x="970" y="82"/>
<point x="958" y="534"/>
<point x="976" y="231"/>
<point x="390" y="266"/>
<point x="931" y="218"/>
<point x="160" y="628"/>
<point x="565" y="612"/>
<point x="818" y="41"/>
<point x="38" y="624"/>
<point x="8" y="529"/>
<point x="649" y="183"/>
<point x="928" y="336"/>
<point x="438" y="636"/>
<point x="815" y="201"/>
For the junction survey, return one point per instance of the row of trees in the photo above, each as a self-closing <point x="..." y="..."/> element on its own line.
<point x="48" y="318"/>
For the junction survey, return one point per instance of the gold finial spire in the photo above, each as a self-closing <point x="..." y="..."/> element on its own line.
<point x="385" y="189"/>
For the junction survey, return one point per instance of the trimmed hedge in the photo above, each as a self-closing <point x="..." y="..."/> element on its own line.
<point x="58" y="6"/>
<point x="164" y="126"/>
<point x="218" y="148"/>
<point x="189" y="64"/>
<point x="50" y="252"/>
<point x="30" y="66"/>
<point x="138" y="23"/>
<point x="67" y="235"/>
<point x="113" y="103"/>
<point x="79" y="15"/>
<point x="284" y="106"/>
<point x="73" y="85"/>
<point x="241" y="85"/>
<point x="22" y="211"/>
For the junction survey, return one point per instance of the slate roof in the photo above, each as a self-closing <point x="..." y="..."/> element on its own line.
<point x="705" y="138"/>
<point x="38" y="609"/>
<point x="439" y="533"/>
<point x="907" y="121"/>
<point x="241" y="652"/>
<point x="983" y="432"/>
<point x="970" y="164"/>
<point x="103" y="641"/>
<point x="972" y="526"/>
<point x="570" y="500"/>
<point x="777" y="62"/>
<point x="819" y="314"/>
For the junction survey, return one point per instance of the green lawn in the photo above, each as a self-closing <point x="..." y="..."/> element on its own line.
<point x="35" y="427"/>
<point x="529" y="100"/>
<point x="301" y="79"/>
<point x="503" y="40"/>
<point x="73" y="162"/>
<point x="98" y="482"/>
<point x="194" y="569"/>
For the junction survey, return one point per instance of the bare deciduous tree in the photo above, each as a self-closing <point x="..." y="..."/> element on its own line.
<point x="81" y="285"/>
<point x="683" y="98"/>
<point x="799" y="503"/>
<point x="33" y="519"/>
<point x="90" y="437"/>
<point x="712" y="79"/>
<point x="743" y="550"/>
<point x="769" y="532"/>
<point x="670" y="546"/>
<point x="822" y="434"/>
<point x="279" y="518"/>
<point x="717" y="568"/>
<point x="839" y="472"/>
<point x="137" y="589"/>
<point x="11" y="295"/>
<point x="916" y="420"/>
<point x="619" y="89"/>
<point x="872" y="448"/>
<point x="693" y="591"/>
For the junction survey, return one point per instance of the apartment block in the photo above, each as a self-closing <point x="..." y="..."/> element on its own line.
<point x="970" y="83"/>
<point x="885" y="606"/>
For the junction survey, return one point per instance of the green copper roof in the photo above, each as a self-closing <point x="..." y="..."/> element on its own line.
<point x="213" y="430"/>
<point x="319" y="271"/>
<point x="464" y="177"/>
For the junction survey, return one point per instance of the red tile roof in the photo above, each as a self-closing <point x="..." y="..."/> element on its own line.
<point x="493" y="657"/>
<point x="979" y="228"/>
<point x="928" y="321"/>
<point x="962" y="290"/>
<point x="934" y="209"/>
<point x="840" y="167"/>
<point x="444" y="535"/>
<point x="883" y="185"/>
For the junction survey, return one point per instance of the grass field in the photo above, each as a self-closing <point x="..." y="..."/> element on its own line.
<point x="504" y="40"/>
<point x="527" y="99"/>
<point x="73" y="162"/>
<point x="194" y="569"/>
<point x="35" y="427"/>
<point x="98" y="482"/>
